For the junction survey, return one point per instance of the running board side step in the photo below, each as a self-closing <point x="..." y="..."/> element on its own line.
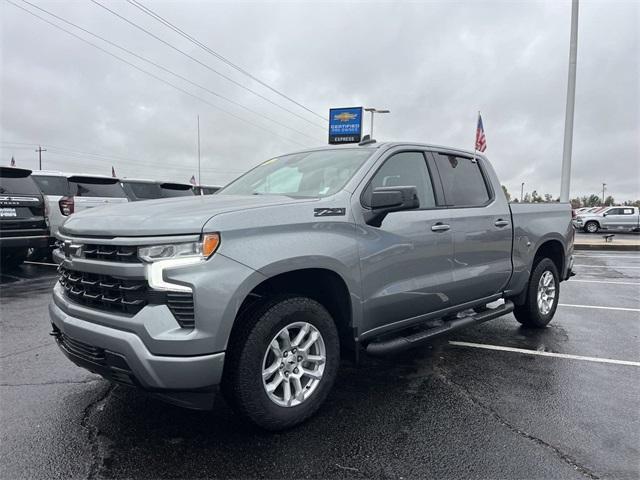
<point x="399" y="344"/>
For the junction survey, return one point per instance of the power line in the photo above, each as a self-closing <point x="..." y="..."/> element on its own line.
<point x="54" y="150"/>
<point x="165" y="69"/>
<point x="153" y="75"/>
<point x="206" y="48"/>
<point x="208" y="67"/>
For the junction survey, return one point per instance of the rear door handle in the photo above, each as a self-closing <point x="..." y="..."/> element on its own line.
<point x="440" y="227"/>
<point x="501" y="223"/>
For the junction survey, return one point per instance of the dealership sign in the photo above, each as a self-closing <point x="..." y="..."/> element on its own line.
<point x="345" y="125"/>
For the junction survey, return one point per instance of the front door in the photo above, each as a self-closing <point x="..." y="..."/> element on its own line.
<point x="406" y="262"/>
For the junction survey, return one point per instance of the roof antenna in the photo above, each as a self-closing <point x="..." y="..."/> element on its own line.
<point x="366" y="140"/>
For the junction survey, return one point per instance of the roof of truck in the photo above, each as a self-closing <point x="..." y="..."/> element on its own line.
<point x="374" y="145"/>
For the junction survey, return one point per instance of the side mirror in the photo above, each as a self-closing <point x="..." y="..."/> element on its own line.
<point x="604" y="214"/>
<point x="384" y="200"/>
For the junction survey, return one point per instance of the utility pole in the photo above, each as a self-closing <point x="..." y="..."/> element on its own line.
<point x="372" y="111"/>
<point x="39" y="152"/>
<point x="571" y="100"/>
<point x="603" y="187"/>
<point x="199" y="179"/>
<point x="522" y="192"/>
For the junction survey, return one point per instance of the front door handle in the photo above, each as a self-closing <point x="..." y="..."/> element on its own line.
<point x="440" y="227"/>
<point x="501" y="223"/>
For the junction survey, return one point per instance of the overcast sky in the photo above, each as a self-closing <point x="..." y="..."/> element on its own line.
<point x="433" y="64"/>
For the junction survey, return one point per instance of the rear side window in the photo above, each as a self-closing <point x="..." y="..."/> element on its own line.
<point x="17" y="181"/>
<point x="405" y="169"/>
<point x="50" y="185"/>
<point x="95" y="187"/>
<point x="462" y="180"/>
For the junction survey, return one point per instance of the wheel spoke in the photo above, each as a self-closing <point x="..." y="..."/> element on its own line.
<point x="317" y="359"/>
<point x="310" y="341"/>
<point x="297" y="388"/>
<point x="273" y="384"/>
<point x="286" y="394"/>
<point x="286" y="339"/>
<point x="275" y="346"/>
<point x="271" y="370"/>
<point x="312" y="373"/>
<point x="301" y="334"/>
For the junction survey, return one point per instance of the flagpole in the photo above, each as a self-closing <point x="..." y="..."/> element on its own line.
<point x="475" y="140"/>
<point x="199" y="177"/>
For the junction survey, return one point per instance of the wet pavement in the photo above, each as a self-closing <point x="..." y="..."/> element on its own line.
<point x="444" y="411"/>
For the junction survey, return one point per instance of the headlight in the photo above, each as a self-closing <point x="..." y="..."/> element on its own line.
<point x="202" y="249"/>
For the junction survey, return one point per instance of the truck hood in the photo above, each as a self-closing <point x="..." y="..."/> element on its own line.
<point x="167" y="216"/>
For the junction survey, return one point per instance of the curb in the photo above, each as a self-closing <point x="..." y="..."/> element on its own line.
<point x="608" y="246"/>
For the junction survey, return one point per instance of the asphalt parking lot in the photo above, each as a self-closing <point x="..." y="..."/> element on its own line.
<point x="493" y="401"/>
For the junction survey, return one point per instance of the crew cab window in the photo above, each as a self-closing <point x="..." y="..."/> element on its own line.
<point x="405" y="169"/>
<point x="52" y="185"/>
<point x="627" y="211"/>
<point x="462" y="180"/>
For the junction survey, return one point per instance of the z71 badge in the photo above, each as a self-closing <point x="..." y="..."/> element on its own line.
<point x="329" y="212"/>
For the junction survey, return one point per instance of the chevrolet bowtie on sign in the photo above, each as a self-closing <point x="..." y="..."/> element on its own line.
<point x="345" y="125"/>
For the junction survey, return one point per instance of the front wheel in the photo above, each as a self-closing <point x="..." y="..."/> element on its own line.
<point x="542" y="296"/>
<point x="281" y="362"/>
<point x="591" y="227"/>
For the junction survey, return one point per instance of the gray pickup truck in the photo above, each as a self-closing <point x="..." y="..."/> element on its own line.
<point x="260" y="288"/>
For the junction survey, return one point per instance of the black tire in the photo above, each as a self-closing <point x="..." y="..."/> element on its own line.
<point x="12" y="258"/>
<point x="242" y="384"/>
<point x="591" y="227"/>
<point x="529" y="313"/>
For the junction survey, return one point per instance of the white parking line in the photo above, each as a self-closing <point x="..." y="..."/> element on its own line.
<point x="573" y="280"/>
<point x="607" y="256"/>
<point x="544" y="354"/>
<point x="41" y="263"/>
<point x="599" y="307"/>
<point x="604" y="266"/>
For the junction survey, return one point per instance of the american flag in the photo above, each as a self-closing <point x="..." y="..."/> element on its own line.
<point x="192" y="181"/>
<point x="113" y="172"/>
<point x="13" y="162"/>
<point x="481" y="140"/>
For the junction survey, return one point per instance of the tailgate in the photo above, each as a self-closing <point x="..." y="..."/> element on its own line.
<point x="21" y="215"/>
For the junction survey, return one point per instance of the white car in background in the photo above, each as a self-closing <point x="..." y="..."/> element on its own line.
<point x="66" y="194"/>
<point x="617" y="218"/>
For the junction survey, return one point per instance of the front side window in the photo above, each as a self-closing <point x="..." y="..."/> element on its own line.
<point x="405" y="169"/>
<point x="308" y="174"/>
<point x="462" y="180"/>
<point x="614" y="211"/>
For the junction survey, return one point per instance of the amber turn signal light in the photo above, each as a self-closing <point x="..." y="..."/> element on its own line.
<point x="210" y="243"/>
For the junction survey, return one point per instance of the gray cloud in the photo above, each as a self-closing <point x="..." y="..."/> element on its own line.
<point x="432" y="64"/>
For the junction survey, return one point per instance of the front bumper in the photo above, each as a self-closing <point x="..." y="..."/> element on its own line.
<point x="122" y="357"/>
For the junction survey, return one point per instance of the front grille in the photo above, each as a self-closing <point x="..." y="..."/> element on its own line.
<point x="107" y="293"/>
<point x="104" y="292"/>
<point x="111" y="253"/>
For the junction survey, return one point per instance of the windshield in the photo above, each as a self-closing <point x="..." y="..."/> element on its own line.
<point x="308" y="174"/>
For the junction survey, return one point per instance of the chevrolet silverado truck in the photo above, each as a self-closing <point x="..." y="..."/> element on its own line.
<point x="619" y="218"/>
<point x="258" y="289"/>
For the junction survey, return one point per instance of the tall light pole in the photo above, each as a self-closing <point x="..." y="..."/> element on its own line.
<point x="199" y="178"/>
<point x="521" y="192"/>
<point x="571" y="100"/>
<point x="603" y="187"/>
<point x="372" y="111"/>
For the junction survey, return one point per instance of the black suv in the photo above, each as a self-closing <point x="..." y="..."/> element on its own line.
<point x="22" y="216"/>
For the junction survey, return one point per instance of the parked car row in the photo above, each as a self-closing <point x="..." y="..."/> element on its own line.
<point x="35" y="204"/>
<point x="615" y="218"/>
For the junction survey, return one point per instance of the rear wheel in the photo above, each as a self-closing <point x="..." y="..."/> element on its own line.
<point x="591" y="227"/>
<point x="281" y="362"/>
<point x="542" y="296"/>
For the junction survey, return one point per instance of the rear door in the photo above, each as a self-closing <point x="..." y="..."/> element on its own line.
<point x="480" y="224"/>
<point x="406" y="262"/>
<point x="621" y="218"/>
<point x="89" y="192"/>
<point x="21" y="204"/>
